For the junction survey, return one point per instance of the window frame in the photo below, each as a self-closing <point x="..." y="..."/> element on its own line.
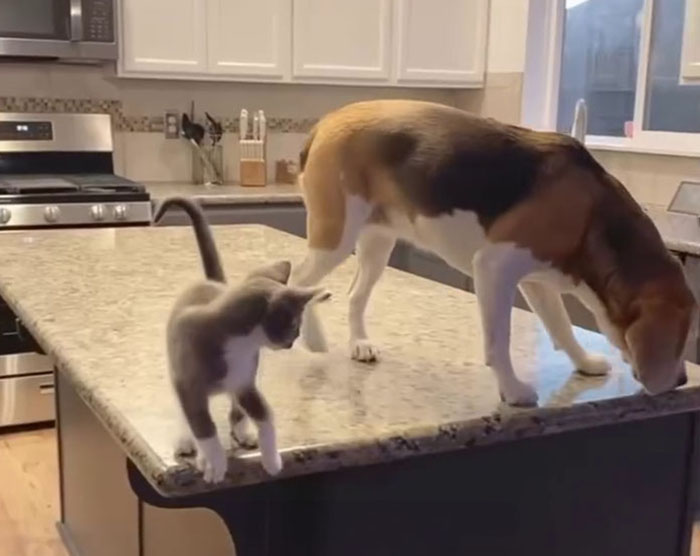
<point x="546" y="21"/>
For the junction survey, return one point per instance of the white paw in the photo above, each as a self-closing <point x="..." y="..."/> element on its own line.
<point x="271" y="462"/>
<point x="593" y="365"/>
<point x="211" y="460"/>
<point x="519" y="394"/>
<point x="363" y="350"/>
<point x="184" y="445"/>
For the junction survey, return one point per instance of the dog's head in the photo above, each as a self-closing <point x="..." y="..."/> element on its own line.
<point x="656" y="338"/>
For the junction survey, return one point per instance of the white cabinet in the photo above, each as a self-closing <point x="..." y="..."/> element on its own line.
<point x="249" y="38"/>
<point x="342" y="39"/>
<point x="441" y="42"/>
<point x="163" y="36"/>
<point x="418" y="43"/>
<point x="690" y="61"/>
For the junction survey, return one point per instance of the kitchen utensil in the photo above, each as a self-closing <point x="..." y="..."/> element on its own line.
<point x="194" y="133"/>
<point x="214" y="128"/>
<point x="192" y="130"/>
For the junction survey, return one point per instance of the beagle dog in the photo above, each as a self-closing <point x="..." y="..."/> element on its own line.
<point x="511" y="207"/>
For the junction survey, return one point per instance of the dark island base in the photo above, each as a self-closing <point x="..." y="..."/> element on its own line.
<point x="609" y="491"/>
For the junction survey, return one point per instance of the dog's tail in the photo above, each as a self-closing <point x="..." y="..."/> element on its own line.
<point x="205" y="241"/>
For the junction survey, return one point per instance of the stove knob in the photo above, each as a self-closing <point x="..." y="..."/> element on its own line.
<point x="51" y="213"/>
<point x="5" y="215"/>
<point x="120" y="212"/>
<point x="97" y="212"/>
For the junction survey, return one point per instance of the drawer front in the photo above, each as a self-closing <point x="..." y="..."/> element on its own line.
<point x="26" y="399"/>
<point x="24" y="364"/>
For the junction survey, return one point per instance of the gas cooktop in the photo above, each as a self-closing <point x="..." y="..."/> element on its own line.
<point x="76" y="188"/>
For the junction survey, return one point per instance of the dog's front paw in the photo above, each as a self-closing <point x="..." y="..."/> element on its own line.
<point x="271" y="462"/>
<point x="519" y="394"/>
<point x="211" y="460"/>
<point x="593" y="365"/>
<point x="363" y="350"/>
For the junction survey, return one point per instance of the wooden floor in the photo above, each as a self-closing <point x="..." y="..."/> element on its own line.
<point x="29" y="503"/>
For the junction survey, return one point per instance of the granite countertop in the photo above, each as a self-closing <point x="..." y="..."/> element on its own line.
<point x="681" y="232"/>
<point x="226" y="194"/>
<point x="97" y="301"/>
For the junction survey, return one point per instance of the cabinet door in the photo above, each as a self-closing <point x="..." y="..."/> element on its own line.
<point x="342" y="39"/>
<point x="441" y="42"/>
<point x="690" y="64"/>
<point x="166" y="36"/>
<point x="250" y="38"/>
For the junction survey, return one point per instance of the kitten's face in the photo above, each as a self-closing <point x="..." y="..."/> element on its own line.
<point x="282" y="320"/>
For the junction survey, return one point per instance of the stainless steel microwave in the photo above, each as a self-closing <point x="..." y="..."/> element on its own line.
<point x="59" y="29"/>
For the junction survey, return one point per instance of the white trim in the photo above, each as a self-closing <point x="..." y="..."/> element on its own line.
<point x="640" y="94"/>
<point x="690" y="61"/>
<point x="659" y="143"/>
<point x="545" y="32"/>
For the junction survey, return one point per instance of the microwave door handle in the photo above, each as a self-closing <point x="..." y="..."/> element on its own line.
<point x="76" y="20"/>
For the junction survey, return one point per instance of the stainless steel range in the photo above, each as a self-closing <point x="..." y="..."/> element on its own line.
<point x="56" y="171"/>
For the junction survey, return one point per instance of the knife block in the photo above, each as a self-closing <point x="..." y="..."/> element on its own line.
<point x="252" y="166"/>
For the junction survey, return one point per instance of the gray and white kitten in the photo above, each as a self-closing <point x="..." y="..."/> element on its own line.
<point x="214" y="336"/>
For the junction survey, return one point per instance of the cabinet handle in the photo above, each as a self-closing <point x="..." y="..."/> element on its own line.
<point x="47" y="388"/>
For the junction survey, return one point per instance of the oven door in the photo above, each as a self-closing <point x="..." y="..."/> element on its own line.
<point x="70" y="29"/>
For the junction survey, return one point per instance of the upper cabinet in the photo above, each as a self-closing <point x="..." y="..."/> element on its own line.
<point x="249" y="38"/>
<point x="160" y="36"/>
<point x="342" y="39"/>
<point x="441" y="42"/>
<point x="410" y="43"/>
<point x="690" y="62"/>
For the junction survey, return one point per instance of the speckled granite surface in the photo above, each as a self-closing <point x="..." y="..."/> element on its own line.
<point x="227" y="194"/>
<point x="97" y="300"/>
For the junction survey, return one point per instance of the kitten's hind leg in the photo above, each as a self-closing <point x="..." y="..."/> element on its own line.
<point x="241" y="432"/>
<point x="374" y="248"/>
<point x="549" y="307"/>
<point x="498" y="268"/>
<point x="253" y="403"/>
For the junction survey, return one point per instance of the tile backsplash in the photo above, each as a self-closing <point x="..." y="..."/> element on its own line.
<point x="138" y="106"/>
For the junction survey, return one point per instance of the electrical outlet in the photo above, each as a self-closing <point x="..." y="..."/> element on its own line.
<point x="172" y="124"/>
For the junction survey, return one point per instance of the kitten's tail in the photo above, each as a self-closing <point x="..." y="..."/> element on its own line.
<point x="207" y="248"/>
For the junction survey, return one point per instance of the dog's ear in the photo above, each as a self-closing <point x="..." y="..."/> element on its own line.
<point x="278" y="271"/>
<point x="655" y="341"/>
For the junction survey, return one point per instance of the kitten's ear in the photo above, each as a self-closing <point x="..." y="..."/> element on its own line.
<point x="278" y="271"/>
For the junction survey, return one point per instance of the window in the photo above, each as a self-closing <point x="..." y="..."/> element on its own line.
<point x="624" y="57"/>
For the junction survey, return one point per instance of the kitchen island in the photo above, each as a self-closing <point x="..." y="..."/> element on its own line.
<point x="414" y="455"/>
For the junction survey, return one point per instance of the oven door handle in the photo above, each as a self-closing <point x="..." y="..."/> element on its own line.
<point x="76" y="20"/>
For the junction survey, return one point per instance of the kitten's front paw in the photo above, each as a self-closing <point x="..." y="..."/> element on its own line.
<point x="363" y="350"/>
<point x="272" y="463"/>
<point x="211" y="460"/>
<point x="519" y="394"/>
<point x="593" y="365"/>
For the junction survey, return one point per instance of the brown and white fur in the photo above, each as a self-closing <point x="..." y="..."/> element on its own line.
<point x="214" y="336"/>
<point x="509" y="206"/>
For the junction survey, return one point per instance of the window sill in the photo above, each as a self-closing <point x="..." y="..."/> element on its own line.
<point x="626" y="145"/>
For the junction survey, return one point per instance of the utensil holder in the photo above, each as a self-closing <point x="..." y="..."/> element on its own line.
<point x="211" y="173"/>
<point x="253" y="170"/>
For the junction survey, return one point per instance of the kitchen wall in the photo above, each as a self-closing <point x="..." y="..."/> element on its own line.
<point x="505" y="64"/>
<point x="651" y="179"/>
<point x="138" y="105"/>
